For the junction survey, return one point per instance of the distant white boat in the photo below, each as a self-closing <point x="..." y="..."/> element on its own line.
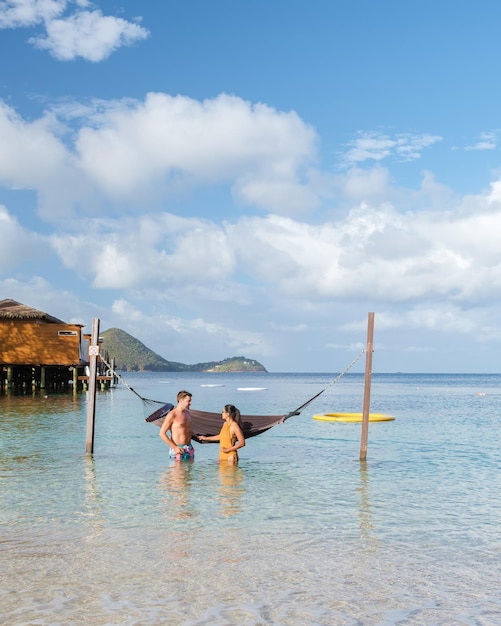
<point x="251" y="388"/>
<point x="211" y="385"/>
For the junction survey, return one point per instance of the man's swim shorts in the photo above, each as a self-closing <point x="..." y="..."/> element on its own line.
<point x="188" y="452"/>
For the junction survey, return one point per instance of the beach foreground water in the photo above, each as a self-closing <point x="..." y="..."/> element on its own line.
<point x="299" y="533"/>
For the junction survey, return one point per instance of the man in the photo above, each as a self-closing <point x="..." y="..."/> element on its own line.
<point x="178" y="422"/>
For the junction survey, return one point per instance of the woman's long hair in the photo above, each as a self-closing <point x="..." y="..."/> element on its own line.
<point x="234" y="413"/>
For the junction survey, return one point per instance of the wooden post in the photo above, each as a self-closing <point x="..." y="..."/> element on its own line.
<point x="91" y="396"/>
<point x="367" y="387"/>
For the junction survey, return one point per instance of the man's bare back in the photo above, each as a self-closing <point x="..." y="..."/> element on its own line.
<point x="178" y="423"/>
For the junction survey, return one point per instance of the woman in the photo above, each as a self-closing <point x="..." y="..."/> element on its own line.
<point x="231" y="437"/>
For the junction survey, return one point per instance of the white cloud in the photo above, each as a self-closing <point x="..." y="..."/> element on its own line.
<point x="195" y="290"/>
<point x="82" y="33"/>
<point x="178" y="329"/>
<point x="175" y="142"/>
<point x="436" y="318"/>
<point x="33" y="156"/>
<point x="486" y="141"/>
<point x="162" y="250"/>
<point x="30" y="152"/>
<point x="494" y="197"/>
<point x="361" y="184"/>
<point x="41" y="294"/>
<point x="374" y="253"/>
<point x="17" y="244"/>
<point x="23" y="13"/>
<point x="133" y="154"/>
<point x="88" y="34"/>
<point x="376" y="146"/>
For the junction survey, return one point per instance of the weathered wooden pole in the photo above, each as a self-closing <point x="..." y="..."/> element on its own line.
<point x="367" y="387"/>
<point x="91" y="395"/>
<point x="75" y="380"/>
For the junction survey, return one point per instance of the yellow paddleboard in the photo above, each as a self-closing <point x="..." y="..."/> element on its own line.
<point x="352" y="417"/>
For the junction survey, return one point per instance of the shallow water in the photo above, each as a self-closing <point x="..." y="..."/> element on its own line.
<point x="299" y="533"/>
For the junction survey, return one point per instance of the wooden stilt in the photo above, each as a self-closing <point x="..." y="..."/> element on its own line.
<point x="91" y="397"/>
<point x="367" y="387"/>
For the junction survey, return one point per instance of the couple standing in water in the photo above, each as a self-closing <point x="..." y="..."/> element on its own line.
<point x="178" y="423"/>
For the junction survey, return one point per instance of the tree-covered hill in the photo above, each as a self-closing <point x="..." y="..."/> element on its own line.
<point x="131" y="355"/>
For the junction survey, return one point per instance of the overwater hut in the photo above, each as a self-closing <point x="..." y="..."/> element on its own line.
<point x="38" y="350"/>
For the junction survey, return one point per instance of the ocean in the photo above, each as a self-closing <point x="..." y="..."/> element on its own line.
<point x="300" y="532"/>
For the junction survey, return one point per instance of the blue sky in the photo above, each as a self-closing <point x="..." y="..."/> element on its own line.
<point x="223" y="178"/>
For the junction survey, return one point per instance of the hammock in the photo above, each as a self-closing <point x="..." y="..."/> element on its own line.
<point x="206" y="424"/>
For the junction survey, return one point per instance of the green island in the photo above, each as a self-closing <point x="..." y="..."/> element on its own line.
<point x="132" y="355"/>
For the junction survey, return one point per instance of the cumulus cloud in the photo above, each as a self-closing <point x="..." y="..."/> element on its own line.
<point x="83" y="33"/>
<point x="23" y="13"/>
<point x="89" y="35"/>
<point x="130" y="154"/>
<point x="177" y="141"/>
<point x="42" y="294"/>
<point x="417" y="270"/>
<point x="30" y="152"/>
<point x="373" y="253"/>
<point x="17" y="244"/>
<point x="33" y="155"/>
<point x="162" y="250"/>
<point x="494" y="197"/>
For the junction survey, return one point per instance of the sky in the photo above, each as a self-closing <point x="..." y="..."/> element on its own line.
<point x="252" y="178"/>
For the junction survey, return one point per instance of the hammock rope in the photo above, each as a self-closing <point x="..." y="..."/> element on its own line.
<point x="333" y="382"/>
<point x="147" y="401"/>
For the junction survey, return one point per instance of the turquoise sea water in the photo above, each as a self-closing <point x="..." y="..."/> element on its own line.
<point x="301" y="532"/>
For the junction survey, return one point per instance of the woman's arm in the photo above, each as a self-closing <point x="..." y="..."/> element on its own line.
<point x="211" y="438"/>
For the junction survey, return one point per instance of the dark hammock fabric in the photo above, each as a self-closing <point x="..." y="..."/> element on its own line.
<point x="207" y="424"/>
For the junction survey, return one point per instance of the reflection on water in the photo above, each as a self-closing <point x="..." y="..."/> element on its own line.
<point x="176" y="482"/>
<point x="92" y="507"/>
<point x="364" y="509"/>
<point x="189" y="488"/>
<point x="15" y="409"/>
<point x="231" y="489"/>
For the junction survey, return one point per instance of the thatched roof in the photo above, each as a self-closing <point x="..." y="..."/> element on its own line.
<point x="12" y="310"/>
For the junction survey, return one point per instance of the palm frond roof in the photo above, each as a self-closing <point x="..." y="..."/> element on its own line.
<point x="13" y="310"/>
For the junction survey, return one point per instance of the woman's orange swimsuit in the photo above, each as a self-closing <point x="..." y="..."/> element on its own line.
<point x="226" y="442"/>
